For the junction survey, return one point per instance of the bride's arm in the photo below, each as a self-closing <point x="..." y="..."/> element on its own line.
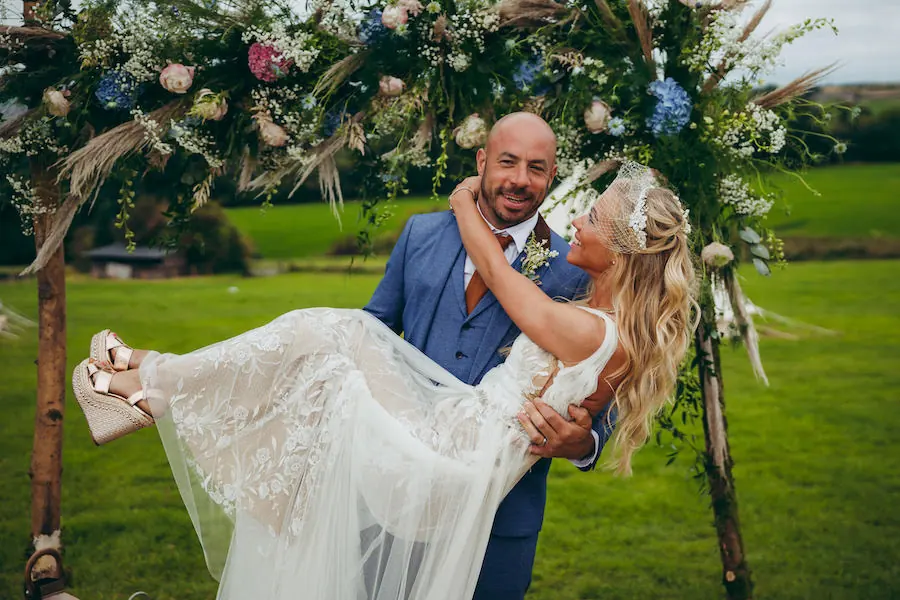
<point x="566" y="332"/>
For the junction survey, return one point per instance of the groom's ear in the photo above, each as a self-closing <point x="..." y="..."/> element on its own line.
<point x="480" y="160"/>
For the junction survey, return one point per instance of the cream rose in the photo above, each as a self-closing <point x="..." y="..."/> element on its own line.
<point x="472" y="132"/>
<point x="271" y="133"/>
<point x="596" y="116"/>
<point x="56" y="102"/>
<point x="716" y="255"/>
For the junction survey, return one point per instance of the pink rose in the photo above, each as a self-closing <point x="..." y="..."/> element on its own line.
<point x="209" y="106"/>
<point x="390" y="86"/>
<point x="177" y="78"/>
<point x="596" y="116"/>
<point x="394" y="17"/>
<point x="57" y="103"/>
<point x="412" y="7"/>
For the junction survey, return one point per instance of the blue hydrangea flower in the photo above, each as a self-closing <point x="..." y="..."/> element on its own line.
<point x="117" y="90"/>
<point x="332" y="121"/>
<point x="527" y="71"/>
<point x="673" y="108"/>
<point x="371" y="29"/>
<point x="617" y="127"/>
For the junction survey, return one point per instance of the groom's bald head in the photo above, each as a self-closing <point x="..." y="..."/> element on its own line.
<point x="517" y="165"/>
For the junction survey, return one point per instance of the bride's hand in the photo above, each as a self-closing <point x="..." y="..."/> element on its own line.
<point x="467" y="190"/>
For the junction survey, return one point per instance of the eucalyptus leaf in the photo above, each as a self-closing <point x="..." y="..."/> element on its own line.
<point x="760" y="251"/>
<point x="761" y="267"/>
<point x="750" y="236"/>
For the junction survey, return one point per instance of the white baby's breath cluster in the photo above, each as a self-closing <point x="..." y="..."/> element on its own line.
<point x="291" y="107"/>
<point x="35" y="137"/>
<point x="593" y="69"/>
<point x="337" y="18"/>
<point x="27" y="203"/>
<point x="297" y="47"/>
<point x="195" y="142"/>
<point x="735" y="192"/>
<point x="153" y="132"/>
<point x="568" y="147"/>
<point x="137" y="36"/>
<point x="722" y="46"/>
<point x="755" y="129"/>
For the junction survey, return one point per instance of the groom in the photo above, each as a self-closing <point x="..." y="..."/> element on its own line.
<point x="432" y="294"/>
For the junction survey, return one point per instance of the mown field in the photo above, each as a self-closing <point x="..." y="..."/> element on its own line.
<point x="817" y="456"/>
<point x="853" y="201"/>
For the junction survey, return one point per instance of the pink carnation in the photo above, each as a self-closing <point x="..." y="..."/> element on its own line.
<point x="266" y="63"/>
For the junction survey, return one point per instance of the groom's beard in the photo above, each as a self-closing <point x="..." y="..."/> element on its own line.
<point x="501" y="216"/>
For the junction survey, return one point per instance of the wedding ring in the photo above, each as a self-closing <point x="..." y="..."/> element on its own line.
<point x="544" y="443"/>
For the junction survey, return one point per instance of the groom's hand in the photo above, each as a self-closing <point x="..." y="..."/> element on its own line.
<point x="564" y="439"/>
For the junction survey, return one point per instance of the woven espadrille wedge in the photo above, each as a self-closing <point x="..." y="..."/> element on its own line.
<point x="109" y="416"/>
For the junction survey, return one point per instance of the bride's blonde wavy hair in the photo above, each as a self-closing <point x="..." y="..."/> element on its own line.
<point x="654" y="299"/>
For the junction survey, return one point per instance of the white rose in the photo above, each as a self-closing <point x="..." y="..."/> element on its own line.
<point x="472" y="132"/>
<point x="177" y="78"/>
<point x="390" y="86"/>
<point x="394" y="17"/>
<point x="596" y="116"/>
<point x="716" y="255"/>
<point x="57" y="103"/>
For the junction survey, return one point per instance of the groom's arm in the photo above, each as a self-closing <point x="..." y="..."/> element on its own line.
<point x="388" y="301"/>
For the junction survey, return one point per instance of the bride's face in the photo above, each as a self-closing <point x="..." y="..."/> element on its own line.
<point x="588" y="249"/>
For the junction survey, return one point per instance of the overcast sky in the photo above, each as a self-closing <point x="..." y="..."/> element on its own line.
<point x="867" y="49"/>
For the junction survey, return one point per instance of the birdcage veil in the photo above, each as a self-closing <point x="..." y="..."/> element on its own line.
<point x="620" y="212"/>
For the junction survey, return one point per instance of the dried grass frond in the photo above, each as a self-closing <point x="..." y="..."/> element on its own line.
<point x="600" y="169"/>
<point x="608" y="16"/>
<point x="89" y="166"/>
<point x="755" y="21"/>
<point x="338" y="73"/>
<point x="56" y="232"/>
<point x="27" y="34"/>
<point x="529" y="14"/>
<point x="11" y="128"/>
<point x="356" y="138"/>
<point x="567" y="57"/>
<point x="737" y="5"/>
<point x="796" y="88"/>
<point x="248" y="165"/>
<point x="641" y="20"/>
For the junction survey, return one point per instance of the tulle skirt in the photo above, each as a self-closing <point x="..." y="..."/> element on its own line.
<point x="322" y="457"/>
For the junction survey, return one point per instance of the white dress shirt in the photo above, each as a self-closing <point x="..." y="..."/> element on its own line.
<point x="520" y="233"/>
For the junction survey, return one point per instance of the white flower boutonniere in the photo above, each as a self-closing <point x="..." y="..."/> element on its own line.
<point x="537" y="255"/>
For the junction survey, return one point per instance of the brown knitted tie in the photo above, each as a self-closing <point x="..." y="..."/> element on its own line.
<point x="476" y="289"/>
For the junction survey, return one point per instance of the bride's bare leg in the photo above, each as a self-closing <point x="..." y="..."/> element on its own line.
<point x="126" y="383"/>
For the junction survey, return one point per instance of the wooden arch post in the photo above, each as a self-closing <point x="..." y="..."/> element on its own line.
<point x="46" y="457"/>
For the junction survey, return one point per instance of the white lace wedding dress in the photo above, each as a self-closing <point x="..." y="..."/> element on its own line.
<point x="322" y="457"/>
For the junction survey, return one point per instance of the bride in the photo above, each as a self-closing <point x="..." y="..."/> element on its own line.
<point x="321" y="456"/>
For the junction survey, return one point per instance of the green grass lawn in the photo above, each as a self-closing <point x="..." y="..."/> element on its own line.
<point x="303" y="230"/>
<point x="817" y="455"/>
<point x="856" y="201"/>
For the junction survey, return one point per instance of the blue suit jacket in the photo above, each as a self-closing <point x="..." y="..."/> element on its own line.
<point x="407" y="298"/>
